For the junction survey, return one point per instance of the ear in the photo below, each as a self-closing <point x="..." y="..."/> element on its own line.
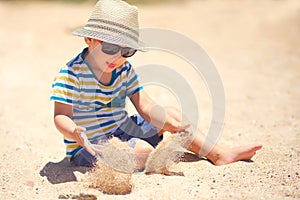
<point x="87" y="40"/>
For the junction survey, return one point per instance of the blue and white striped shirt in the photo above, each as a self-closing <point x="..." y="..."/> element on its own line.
<point x="98" y="107"/>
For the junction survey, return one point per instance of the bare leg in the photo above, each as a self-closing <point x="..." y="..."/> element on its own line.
<point x="217" y="155"/>
<point x="221" y="156"/>
<point x="142" y="150"/>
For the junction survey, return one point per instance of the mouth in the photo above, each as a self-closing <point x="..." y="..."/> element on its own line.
<point x="111" y="65"/>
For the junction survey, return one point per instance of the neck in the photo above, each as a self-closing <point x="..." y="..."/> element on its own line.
<point x="103" y="76"/>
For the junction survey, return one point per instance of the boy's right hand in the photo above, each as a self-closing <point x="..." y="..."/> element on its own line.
<point x="82" y="140"/>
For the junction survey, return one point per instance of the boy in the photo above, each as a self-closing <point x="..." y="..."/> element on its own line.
<point x="89" y="94"/>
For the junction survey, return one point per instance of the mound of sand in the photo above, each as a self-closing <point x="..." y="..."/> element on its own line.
<point x="113" y="171"/>
<point x="119" y="156"/>
<point x="167" y="153"/>
<point x="109" y="180"/>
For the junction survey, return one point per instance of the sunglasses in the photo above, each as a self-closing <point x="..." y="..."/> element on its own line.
<point x="112" y="49"/>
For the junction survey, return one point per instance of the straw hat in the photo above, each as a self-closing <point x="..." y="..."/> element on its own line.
<point x="113" y="21"/>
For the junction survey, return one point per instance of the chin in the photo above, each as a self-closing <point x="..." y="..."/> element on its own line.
<point x="109" y="70"/>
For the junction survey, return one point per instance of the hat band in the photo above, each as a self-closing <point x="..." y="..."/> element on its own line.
<point x="113" y="30"/>
<point x="115" y="24"/>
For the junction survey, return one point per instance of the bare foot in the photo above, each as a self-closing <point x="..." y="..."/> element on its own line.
<point x="234" y="154"/>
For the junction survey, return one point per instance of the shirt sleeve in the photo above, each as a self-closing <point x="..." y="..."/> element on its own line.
<point x="65" y="88"/>
<point x="133" y="84"/>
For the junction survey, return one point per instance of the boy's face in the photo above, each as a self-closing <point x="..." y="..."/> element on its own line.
<point x="103" y="61"/>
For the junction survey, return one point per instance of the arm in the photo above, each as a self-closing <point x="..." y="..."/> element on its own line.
<point x="63" y="114"/>
<point x="167" y="119"/>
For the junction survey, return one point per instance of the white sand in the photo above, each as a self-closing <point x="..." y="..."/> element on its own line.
<point x="255" y="45"/>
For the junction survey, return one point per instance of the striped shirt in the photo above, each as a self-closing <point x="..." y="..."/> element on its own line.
<point x="98" y="107"/>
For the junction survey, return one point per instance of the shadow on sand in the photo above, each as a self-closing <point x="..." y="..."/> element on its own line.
<point x="61" y="172"/>
<point x="190" y="157"/>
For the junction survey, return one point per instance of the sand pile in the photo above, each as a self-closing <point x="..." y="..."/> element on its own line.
<point x="109" y="180"/>
<point x="167" y="153"/>
<point x="113" y="171"/>
<point x="119" y="156"/>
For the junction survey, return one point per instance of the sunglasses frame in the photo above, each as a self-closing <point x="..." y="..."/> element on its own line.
<point x="126" y="52"/>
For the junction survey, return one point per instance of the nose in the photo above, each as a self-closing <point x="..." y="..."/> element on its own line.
<point x="116" y="57"/>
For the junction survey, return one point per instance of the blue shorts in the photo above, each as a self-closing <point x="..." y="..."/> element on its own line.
<point x="132" y="130"/>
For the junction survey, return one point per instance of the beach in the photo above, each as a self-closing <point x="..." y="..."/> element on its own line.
<point x="255" y="46"/>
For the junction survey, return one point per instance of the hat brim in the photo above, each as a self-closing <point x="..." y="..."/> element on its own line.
<point x="114" y="39"/>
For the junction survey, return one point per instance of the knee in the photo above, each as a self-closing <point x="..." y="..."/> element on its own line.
<point x="143" y="147"/>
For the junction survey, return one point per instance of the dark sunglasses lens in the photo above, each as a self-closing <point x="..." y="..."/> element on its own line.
<point x="127" y="52"/>
<point x="110" y="49"/>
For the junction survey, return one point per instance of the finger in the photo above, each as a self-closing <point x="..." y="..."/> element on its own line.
<point x="87" y="145"/>
<point x="80" y="129"/>
<point x="90" y="150"/>
<point x="174" y="112"/>
<point x="97" y="148"/>
<point x="84" y="138"/>
<point x="179" y="128"/>
<point x="78" y="138"/>
<point x="174" y="126"/>
<point x="183" y="128"/>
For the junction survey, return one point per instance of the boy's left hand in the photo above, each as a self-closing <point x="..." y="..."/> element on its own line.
<point x="175" y="126"/>
<point x="173" y="121"/>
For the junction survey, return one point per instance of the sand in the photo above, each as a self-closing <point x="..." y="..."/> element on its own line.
<point x="255" y="46"/>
